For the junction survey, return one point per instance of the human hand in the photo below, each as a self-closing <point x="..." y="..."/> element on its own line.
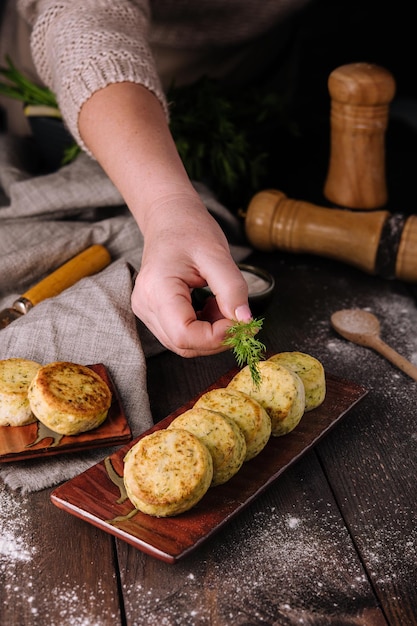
<point x="125" y="128"/>
<point x="190" y="252"/>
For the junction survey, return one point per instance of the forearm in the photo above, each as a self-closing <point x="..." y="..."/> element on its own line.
<point x="125" y="127"/>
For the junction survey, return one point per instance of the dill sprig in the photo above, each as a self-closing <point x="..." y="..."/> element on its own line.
<point x="247" y="349"/>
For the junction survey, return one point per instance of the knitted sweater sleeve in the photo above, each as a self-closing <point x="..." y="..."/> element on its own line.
<point x="81" y="46"/>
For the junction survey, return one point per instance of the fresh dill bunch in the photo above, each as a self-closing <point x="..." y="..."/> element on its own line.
<point x="222" y="134"/>
<point x="18" y="87"/>
<point x="247" y="349"/>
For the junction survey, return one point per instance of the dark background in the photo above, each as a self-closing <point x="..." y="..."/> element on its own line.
<point x="325" y="35"/>
<point x="331" y="33"/>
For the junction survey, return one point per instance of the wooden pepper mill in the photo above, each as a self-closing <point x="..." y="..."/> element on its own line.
<point x="360" y="96"/>
<point x="375" y="242"/>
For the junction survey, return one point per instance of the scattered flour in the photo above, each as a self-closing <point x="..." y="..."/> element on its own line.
<point x="14" y="547"/>
<point x="19" y="575"/>
<point x="291" y="576"/>
<point x="398" y="321"/>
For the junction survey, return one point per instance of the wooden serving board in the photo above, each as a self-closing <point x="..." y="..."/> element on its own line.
<point x="97" y="495"/>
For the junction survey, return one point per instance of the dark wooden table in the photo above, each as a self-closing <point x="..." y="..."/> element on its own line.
<point x="332" y="541"/>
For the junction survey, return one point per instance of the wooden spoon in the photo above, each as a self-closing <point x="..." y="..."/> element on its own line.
<point x="363" y="328"/>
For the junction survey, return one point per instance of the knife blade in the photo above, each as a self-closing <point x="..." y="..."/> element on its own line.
<point x="88" y="262"/>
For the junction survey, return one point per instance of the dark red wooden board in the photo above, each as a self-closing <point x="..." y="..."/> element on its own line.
<point x="98" y="499"/>
<point x="19" y="442"/>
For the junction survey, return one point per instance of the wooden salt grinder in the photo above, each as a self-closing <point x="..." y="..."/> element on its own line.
<point x="373" y="241"/>
<point x="360" y="96"/>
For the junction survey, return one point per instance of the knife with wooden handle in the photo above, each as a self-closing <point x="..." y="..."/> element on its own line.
<point x="88" y="262"/>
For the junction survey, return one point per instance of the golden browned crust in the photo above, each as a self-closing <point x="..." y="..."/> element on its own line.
<point x="280" y="392"/>
<point x="311" y="372"/>
<point x="167" y="472"/>
<point x="221" y="435"/>
<point x="69" y="398"/>
<point x="246" y="412"/>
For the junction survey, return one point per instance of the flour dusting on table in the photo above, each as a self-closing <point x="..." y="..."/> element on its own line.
<point x="291" y="574"/>
<point x="14" y="546"/>
<point x="19" y="574"/>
